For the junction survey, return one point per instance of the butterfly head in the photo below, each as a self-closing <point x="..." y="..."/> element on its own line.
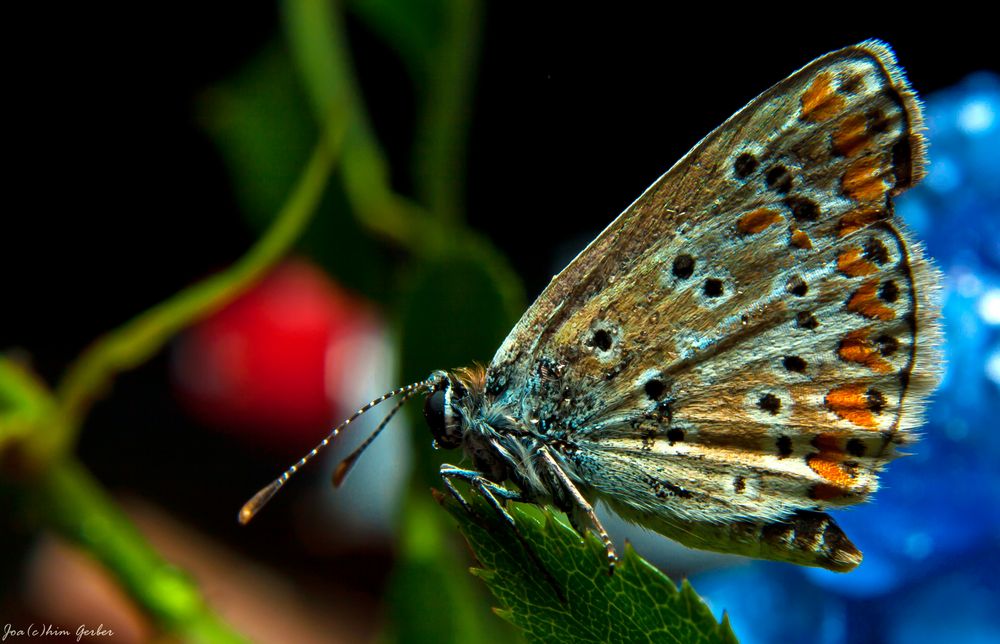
<point x="447" y="406"/>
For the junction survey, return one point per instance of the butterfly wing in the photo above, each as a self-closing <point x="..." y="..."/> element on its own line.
<point x="753" y="335"/>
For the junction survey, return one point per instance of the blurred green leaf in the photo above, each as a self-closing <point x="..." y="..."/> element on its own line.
<point x="636" y="604"/>
<point x="431" y="599"/>
<point x="452" y="313"/>
<point x="438" y="40"/>
<point x="264" y="127"/>
<point x="413" y="29"/>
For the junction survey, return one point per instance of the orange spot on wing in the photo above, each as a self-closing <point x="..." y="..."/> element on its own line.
<point x="801" y="240"/>
<point x="821" y="102"/>
<point x="829" y="464"/>
<point x="855" y="347"/>
<point x="863" y="181"/>
<point x="757" y="220"/>
<point x="830" y="468"/>
<point x="865" y="301"/>
<point x="852" y="136"/>
<point x="857" y="219"/>
<point x="853" y="264"/>
<point x="850" y="402"/>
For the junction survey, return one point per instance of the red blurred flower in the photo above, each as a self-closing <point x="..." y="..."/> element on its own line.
<point x="270" y="365"/>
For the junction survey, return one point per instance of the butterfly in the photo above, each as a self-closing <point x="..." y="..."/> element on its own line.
<point x="744" y="348"/>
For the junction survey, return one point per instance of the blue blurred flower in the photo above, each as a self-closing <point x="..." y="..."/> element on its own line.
<point x="932" y="537"/>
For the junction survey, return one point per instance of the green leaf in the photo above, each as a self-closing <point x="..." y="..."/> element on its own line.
<point x="636" y="604"/>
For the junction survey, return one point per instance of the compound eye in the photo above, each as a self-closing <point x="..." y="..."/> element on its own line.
<point x="434" y="414"/>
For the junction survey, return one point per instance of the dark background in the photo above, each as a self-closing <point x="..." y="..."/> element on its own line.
<point x="117" y="197"/>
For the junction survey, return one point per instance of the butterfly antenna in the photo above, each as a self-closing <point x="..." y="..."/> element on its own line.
<point x="347" y="464"/>
<point x="259" y="500"/>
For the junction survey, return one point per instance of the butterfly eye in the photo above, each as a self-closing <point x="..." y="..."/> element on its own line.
<point x="434" y="411"/>
<point x="444" y="427"/>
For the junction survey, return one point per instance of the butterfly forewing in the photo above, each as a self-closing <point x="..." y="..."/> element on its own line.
<point x="754" y="335"/>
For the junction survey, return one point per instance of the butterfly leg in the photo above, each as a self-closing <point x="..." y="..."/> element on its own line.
<point x="491" y="491"/>
<point x="487" y="489"/>
<point x="583" y="506"/>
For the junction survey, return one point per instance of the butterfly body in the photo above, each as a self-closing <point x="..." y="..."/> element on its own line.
<point x="746" y="345"/>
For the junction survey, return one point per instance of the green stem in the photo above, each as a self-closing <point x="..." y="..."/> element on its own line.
<point x="74" y="505"/>
<point x="25" y="404"/>
<point x="139" y="339"/>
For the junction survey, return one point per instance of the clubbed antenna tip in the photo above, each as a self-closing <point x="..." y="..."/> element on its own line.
<point x="259" y="500"/>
